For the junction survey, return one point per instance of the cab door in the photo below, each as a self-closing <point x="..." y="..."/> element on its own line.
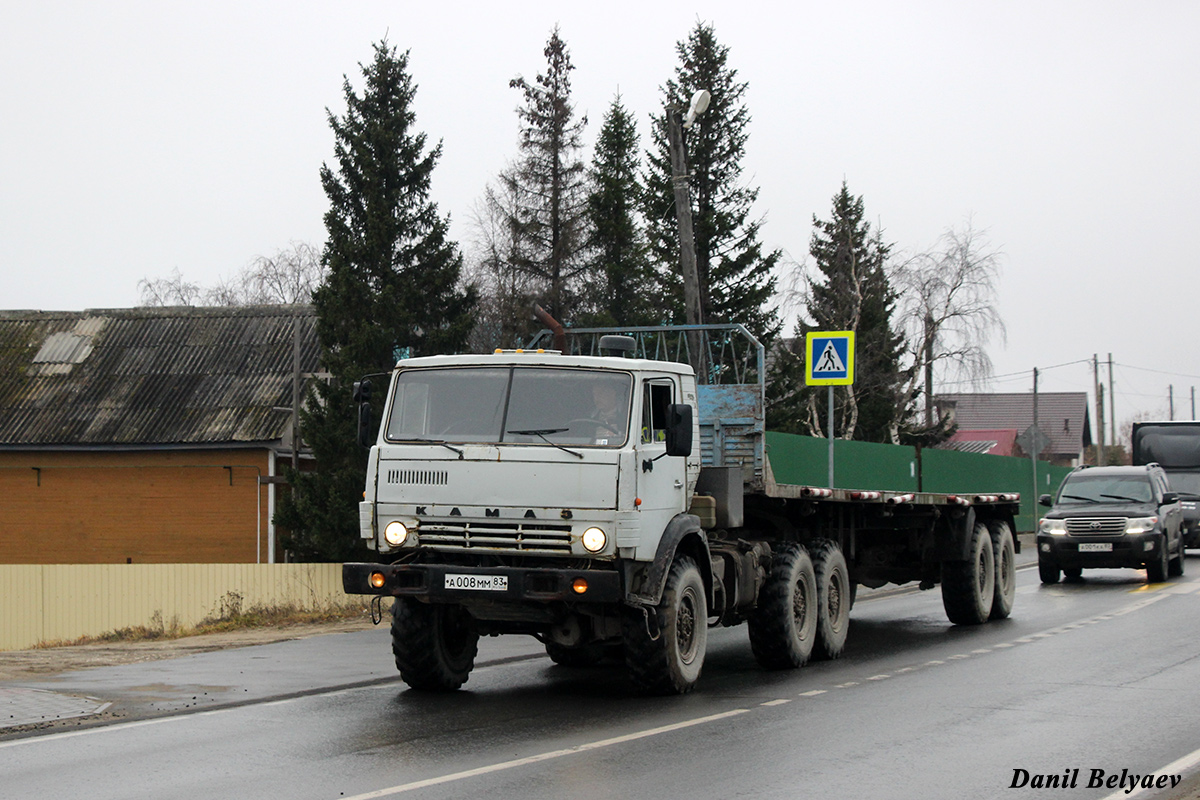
<point x="660" y="478"/>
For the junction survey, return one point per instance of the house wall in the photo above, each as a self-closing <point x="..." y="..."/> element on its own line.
<point x="152" y="507"/>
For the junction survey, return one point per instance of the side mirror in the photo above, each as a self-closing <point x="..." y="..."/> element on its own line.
<point x="679" y="429"/>
<point x="1045" y="500"/>
<point x="362" y="396"/>
<point x="1169" y="498"/>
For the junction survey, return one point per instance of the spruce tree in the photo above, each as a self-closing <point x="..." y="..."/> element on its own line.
<point x="736" y="281"/>
<point x="546" y="187"/>
<point x="619" y="287"/>
<point x="850" y="292"/>
<point x="391" y="290"/>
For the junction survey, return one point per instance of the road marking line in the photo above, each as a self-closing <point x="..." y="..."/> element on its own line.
<point x="846" y="685"/>
<point x="779" y="702"/>
<point x="553" y="754"/>
<point x="813" y="693"/>
<point x="879" y="677"/>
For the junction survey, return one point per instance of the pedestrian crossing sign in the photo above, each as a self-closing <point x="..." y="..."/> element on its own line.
<point x="829" y="358"/>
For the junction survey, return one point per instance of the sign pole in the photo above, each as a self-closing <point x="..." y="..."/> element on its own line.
<point x="830" y="436"/>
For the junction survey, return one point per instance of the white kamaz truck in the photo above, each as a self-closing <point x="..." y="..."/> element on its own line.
<point x="610" y="505"/>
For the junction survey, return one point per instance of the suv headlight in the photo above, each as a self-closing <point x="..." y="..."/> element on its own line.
<point x="1056" y="526"/>
<point x="1141" y="524"/>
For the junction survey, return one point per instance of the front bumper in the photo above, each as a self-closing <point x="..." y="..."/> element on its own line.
<point x="1134" y="550"/>
<point x="537" y="585"/>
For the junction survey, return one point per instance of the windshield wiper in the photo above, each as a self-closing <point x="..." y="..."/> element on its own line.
<point x="541" y="434"/>
<point x="442" y="442"/>
<point x="1077" y="497"/>
<point x="1123" y="497"/>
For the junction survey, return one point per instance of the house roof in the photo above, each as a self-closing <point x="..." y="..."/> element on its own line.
<point x="151" y="376"/>
<point x="1062" y="416"/>
<point x="994" y="442"/>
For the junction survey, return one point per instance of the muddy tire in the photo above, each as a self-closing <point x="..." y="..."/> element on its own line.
<point x="1004" y="554"/>
<point x="783" y="629"/>
<point x="434" y="645"/>
<point x="1157" y="570"/>
<point x="969" y="587"/>
<point x="669" y="661"/>
<point x="835" y="594"/>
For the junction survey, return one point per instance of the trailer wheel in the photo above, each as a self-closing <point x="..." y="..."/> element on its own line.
<point x="669" y="660"/>
<point x="783" y="629"/>
<point x="834" y="598"/>
<point x="968" y="587"/>
<point x="434" y="645"/>
<point x="1006" y="570"/>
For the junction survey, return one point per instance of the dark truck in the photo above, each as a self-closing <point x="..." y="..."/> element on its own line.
<point x="1174" y="446"/>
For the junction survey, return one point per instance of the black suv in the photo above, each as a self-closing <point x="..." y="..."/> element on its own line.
<point x="1112" y="517"/>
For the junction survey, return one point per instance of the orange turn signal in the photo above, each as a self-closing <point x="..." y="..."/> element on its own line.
<point x="579" y="585"/>
<point x="377" y="580"/>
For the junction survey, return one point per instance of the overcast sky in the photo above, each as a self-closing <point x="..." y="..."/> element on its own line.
<point x="141" y="138"/>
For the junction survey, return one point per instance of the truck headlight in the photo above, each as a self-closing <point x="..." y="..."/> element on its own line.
<point x="594" y="540"/>
<point x="395" y="533"/>
<point x="1140" y="524"/>
<point x="1056" y="526"/>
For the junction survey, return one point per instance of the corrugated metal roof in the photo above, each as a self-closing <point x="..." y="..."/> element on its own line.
<point x="1062" y="416"/>
<point x="151" y="376"/>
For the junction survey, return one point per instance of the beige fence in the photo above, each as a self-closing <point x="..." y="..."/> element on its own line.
<point x="62" y="602"/>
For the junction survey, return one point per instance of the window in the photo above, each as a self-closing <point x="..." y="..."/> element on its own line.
<point x="656" y="399"/>
<point x="511" y="405"/>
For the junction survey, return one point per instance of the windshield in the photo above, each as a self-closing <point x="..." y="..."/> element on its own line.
<point x="1098" y="488"/>
<point x="492" y="405"/>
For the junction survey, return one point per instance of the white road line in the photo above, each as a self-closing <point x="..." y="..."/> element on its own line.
<point x="553" y="754"/>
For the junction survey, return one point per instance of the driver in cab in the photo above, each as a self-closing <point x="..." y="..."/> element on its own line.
<point x="609" y="412"/>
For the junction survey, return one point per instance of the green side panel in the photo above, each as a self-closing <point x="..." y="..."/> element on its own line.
<point x="952" y="472"/>
<point x="804" y="461"/>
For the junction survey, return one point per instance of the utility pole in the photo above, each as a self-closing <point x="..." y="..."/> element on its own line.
<point x="1193" y="402"/>
<point x="1099" y="410"/>
<point x="1171" y="400"/>
<point x="929" y="369"/>
<point x="1112" y="411"/>
<point x="693" y="309"/>
<point x="1033" y="450"/>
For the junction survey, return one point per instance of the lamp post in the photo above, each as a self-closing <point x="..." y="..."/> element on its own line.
<point x="693" y="309"/>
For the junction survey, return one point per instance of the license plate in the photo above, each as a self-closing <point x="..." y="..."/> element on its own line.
<point x="478" y="583"/>
<point x="1095" y="547"/>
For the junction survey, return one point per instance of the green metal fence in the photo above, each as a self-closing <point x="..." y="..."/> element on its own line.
<point x="803" y="460"/>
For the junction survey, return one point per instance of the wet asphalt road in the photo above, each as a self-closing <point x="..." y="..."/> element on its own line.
<point x="1099" y="675"/>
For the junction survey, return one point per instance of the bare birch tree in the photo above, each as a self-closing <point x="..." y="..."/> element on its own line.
<point x="948" y="310"/>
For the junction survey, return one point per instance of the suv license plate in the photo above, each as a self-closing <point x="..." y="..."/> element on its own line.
<point x="1095" y="547"/>
<point x="479" y="583"/>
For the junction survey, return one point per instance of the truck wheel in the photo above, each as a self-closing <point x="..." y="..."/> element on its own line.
<point x="1006" y="570"/>
<point x="968" y="587"/>
<point x="834" y="597"/>
<point x="670" y="662"/>
<point x="1156" y="571"/>
<point x="783" y="629"/>
<point x="1048" y="571"/>
<point x="434" y="645"/>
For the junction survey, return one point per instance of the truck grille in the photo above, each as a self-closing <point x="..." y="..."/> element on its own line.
<point x="1096" y="526"/>
<point x="418" y="477"/>
<point x="513" y="537"/>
